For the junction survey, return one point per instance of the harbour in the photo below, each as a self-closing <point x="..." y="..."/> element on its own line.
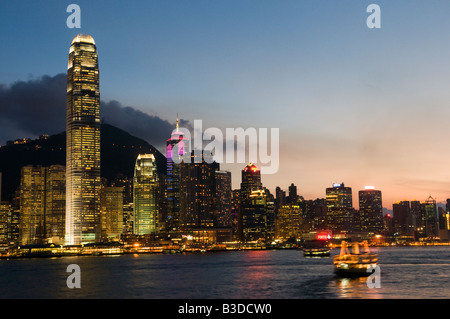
<point x="406" y="273"/>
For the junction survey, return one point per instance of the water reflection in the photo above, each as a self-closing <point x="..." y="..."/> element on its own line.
<point x="355" y="288"/>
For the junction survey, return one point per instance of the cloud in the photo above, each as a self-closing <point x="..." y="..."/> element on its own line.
<point x="33" y="107"/>
<point x="38" y="106"/>
<point x="148" y="127"/>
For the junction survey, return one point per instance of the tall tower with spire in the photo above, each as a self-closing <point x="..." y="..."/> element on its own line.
<point x="83" y="143"/>
<point x="176" y="146"/>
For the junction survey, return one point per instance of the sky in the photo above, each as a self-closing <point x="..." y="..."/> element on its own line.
<point x="352" y="104"/>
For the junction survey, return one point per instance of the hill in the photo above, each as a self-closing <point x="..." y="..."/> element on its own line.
<point x="119" y="151"/>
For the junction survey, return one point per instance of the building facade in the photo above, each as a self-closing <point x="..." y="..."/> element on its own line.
<point x="177" y="147"/>
<point x="111" y="208"/>
<point x="197" y="191"/>
<point x="339" y="207"/>
<point x="83" y="143"/>
<point x="223" y="195"/>
<point x="145" y="195"/>
<point x="371" y="210"/>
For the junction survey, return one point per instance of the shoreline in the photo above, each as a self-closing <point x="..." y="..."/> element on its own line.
<point x="125" y="251"/>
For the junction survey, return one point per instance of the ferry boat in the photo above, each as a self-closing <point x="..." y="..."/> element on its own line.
<point x="356" y="263"/>
<point x="316" y="244"/>
<point x="316" y="248"/>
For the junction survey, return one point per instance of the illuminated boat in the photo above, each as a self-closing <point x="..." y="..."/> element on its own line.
<point x="356" y="263"/>
<point x="317" y="244"/>
<point x="316" y="248"/>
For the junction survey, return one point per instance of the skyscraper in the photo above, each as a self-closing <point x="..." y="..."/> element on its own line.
<point x="42" y="204"/>
<point x="32" y="205"/>
<point x="5" y="211"/>
<point x="256" y="221"/>
<point x="223" y="199"/>
<point x="83" y="143"/>
<point x="401" y="210"/>
<point x="371" y="210"/>
<point x="176" y="146"/>
<point x="55" y="203"/>
<point x="288" y="221"/>
<point x="429" y="219"/>
<point x="251" y="180"/>
<point x="111" y="199"/>
<point x="339" y="207"/>
<point x="293" y="197"/>
<point x="145" y="194"/>
<point x="197" y="192"/>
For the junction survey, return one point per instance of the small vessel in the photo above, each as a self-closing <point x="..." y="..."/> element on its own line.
<point x="356" y="263"/>
<point x="316" y="248"/>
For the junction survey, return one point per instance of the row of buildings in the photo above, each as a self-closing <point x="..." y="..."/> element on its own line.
<point x="193" y="200"/>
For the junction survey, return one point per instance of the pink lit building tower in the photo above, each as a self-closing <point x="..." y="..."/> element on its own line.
<point x="176" y="146"/>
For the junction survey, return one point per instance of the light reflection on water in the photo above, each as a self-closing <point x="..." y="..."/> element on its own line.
<point x="406" y="272"/>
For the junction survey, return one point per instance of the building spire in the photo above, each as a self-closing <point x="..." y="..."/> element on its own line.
<point x="177" y="123"/>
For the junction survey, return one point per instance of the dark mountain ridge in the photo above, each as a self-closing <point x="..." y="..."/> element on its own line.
<point x="119" y="151"/>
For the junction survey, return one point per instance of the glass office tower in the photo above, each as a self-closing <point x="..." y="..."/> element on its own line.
<point x="83" y="143"/>
<point x="145" y="194"/>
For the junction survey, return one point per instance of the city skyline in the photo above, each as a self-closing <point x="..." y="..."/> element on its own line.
<point x="360" y="116"/>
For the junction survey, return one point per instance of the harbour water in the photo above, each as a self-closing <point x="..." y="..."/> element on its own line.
<point x="406" y="273"/>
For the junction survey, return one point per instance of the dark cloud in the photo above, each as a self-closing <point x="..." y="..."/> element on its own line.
<point x="38" y="106"/>
<point x="34" y="107"/>
<point x="148" y="127"/>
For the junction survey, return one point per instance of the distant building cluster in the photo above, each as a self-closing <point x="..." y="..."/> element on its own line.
<point x="194" y="201"/>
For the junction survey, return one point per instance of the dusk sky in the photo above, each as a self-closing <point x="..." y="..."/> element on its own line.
<point x="355" y="105"/>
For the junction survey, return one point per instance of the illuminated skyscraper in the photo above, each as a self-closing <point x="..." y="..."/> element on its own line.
<point x="223" y="199"/>
<point x="256" y="221"/>
<point x="197" y="190"/>
<point x="339" y="207"/>
<point x="55" y="203"/>
<point x="288" y="222"/>
<point x="251" y="180"/>
<point x="5" y="211"/>
<point x="429" y="221"/>
<point x="111" y="199"/>
<point x="145" y="194"/>
<point x="42" y="204"/>
<point x="176" y="146"/>
<point x="32" y="205"/>
<point x="83" y="143"/>
<point x="371" y="210"/>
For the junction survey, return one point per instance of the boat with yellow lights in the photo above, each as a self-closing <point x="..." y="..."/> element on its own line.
<point x="355" y="263"/>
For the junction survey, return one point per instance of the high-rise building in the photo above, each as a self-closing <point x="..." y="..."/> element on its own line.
<point x="251" y="180"/>
<point x="111" y="207"/>
<point x="280" y="196"/>
<point x="55" y="205"/>
<point x="429" y="222"/>
<point x="256" y="212"/>
<point x="197" y="191"/>
<point x="339" y="207"/>
<point x="236" y="213"/>
<point x="5" y="210"/>
<point x="42" y="204"/>
<point x="32" y="205"/>
<point x="176" y="147"/>
<point x="145" y="194"/>
<point x="288" y="221"/>
<point x="371" y="210"/>
<point x="412" y="221"/>
<point x="401" y="210"/>
<point x="314" y="216"/>
<point x="223" y="199"/>
<point x="83" y="143"/>
<point x="293" y="196"/>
